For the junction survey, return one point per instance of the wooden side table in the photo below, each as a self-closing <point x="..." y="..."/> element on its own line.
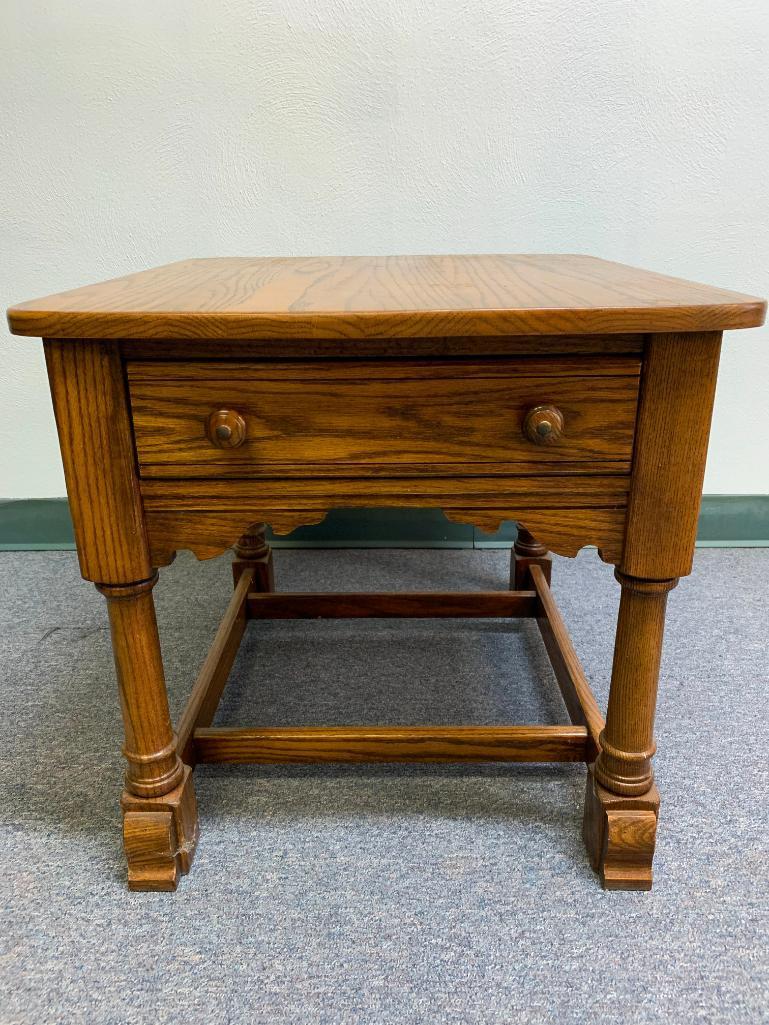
<point x="197" y="401"/>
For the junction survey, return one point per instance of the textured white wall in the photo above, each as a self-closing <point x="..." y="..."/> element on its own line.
<point x="136" y="133"/>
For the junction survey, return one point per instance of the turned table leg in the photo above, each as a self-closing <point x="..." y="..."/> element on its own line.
<point x="160" y="825"/>
<point x="253" y="550"/>
<point x="527" y="551"/>
<point x="671" y="437"/>
<point x="90" y="401"/>
<point x="622" y="802"/>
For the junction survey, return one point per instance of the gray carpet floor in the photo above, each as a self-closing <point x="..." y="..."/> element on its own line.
<point x="409" y="894"/>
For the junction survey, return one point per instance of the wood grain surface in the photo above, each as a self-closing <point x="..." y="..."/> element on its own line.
<point x="358" y="297"/>
<point x="207" y="690"/>
<point x="573" y="683"/>
<point x="437" y="347"/>
<point x="207" y="516"/>
<point x="373" y="415"/>
<point x="620" y="835"/>
<point x="160" y="836"/>
<point x="153" y="767"/>
<point x="310" y="744"/>
<point x="393" y="605"/>
<point x="627" y="740"/>
<point x="671" y="447"/>
<point x="93" y="421"/>
<point x="566" y="393"/>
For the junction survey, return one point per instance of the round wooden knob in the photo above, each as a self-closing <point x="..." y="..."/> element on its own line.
<point x="226" y="428"/>
<point x="543" y="425"/>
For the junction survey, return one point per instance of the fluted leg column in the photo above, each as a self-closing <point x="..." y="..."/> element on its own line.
<point x="160" y="817"/>
<point x="627" y="741"/>
<point x="622" y="802"/>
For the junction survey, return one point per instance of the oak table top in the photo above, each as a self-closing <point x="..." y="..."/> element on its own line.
<point x="349" y="297"/>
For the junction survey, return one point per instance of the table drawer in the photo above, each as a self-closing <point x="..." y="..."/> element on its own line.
<point x="350" y="417"/>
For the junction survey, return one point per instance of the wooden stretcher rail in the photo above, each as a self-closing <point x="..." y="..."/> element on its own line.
<point x="395" y="605"/>
<point x="197" y="741"/>
<point x="577" y="695"/>
<point x="207" y="691"/>
<point x="391" y="744"/>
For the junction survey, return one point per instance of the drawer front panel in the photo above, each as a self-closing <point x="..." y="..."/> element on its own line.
<point x="350" y="417"/>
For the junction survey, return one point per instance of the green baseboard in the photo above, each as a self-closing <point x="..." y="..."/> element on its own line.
<point x="44" y="524"/>
<point x="35" y="524"/>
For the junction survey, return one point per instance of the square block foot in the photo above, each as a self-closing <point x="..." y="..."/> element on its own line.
<point x="620" y="834"/>
<point x="159" y="836"/>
